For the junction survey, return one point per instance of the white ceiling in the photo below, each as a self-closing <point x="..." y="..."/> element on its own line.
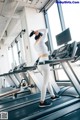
<point x="9" y="10"/>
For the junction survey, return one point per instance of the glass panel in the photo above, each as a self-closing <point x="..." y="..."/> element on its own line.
<point x="15" y="52"/>
<point x="55" y="27"/>
<point x="10" y="57"/>
<point x="20" y="47"/>
<point x="71" y="14"/>
<point x="54" y="22"/>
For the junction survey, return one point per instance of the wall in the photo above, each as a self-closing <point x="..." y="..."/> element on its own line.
<point x="34" y="21"/>
<point x="4" y="63"/>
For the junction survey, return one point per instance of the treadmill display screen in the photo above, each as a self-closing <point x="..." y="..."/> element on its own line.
<point x="64" y="37"/>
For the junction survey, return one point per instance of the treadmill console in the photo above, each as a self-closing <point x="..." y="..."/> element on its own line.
<point x="65" y="51"/>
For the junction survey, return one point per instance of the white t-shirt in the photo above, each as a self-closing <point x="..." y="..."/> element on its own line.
<point x="41" y="47"/>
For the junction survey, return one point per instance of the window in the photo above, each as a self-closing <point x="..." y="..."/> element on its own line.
<point x="54" y="22"/>
<point x="15" y="52"/>
<point x="55" y="27"/>
<point x="71" y="13"/>
<point x="10" y="57"/>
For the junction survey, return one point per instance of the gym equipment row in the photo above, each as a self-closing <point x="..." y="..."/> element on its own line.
<point x="60" y="106"/>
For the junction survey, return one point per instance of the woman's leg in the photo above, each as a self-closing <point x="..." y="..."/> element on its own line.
<point x="45" y="72"/>
<point x="45" y="82"/>
<point x="50" y="89"/>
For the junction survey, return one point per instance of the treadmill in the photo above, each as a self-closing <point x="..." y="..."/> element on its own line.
<point x="60" y="106"/>
<point x="8" y="93"/>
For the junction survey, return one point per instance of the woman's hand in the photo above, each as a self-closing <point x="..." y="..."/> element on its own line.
<point x="36" y="32"/>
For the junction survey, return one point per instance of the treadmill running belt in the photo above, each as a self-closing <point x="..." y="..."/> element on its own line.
<point x="33" y="109"/>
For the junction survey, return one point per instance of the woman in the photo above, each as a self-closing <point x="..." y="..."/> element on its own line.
<point x="42" y="51"/>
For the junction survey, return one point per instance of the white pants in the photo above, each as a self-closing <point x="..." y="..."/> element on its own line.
<point x="45" y="70"/>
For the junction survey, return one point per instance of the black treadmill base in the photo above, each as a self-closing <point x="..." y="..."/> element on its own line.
<point x="75" y="115"/>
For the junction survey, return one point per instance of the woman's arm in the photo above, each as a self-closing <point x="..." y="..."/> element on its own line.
<point x="44" y="32"/>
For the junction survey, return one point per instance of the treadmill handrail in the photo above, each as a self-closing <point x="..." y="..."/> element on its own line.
<point x="9" y="92"/>
<point x="24" y="69"/>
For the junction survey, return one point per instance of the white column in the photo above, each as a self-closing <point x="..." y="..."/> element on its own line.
<point x="26" y="42"/>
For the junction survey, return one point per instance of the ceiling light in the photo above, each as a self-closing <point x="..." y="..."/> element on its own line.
<point x="30" y="1"/>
